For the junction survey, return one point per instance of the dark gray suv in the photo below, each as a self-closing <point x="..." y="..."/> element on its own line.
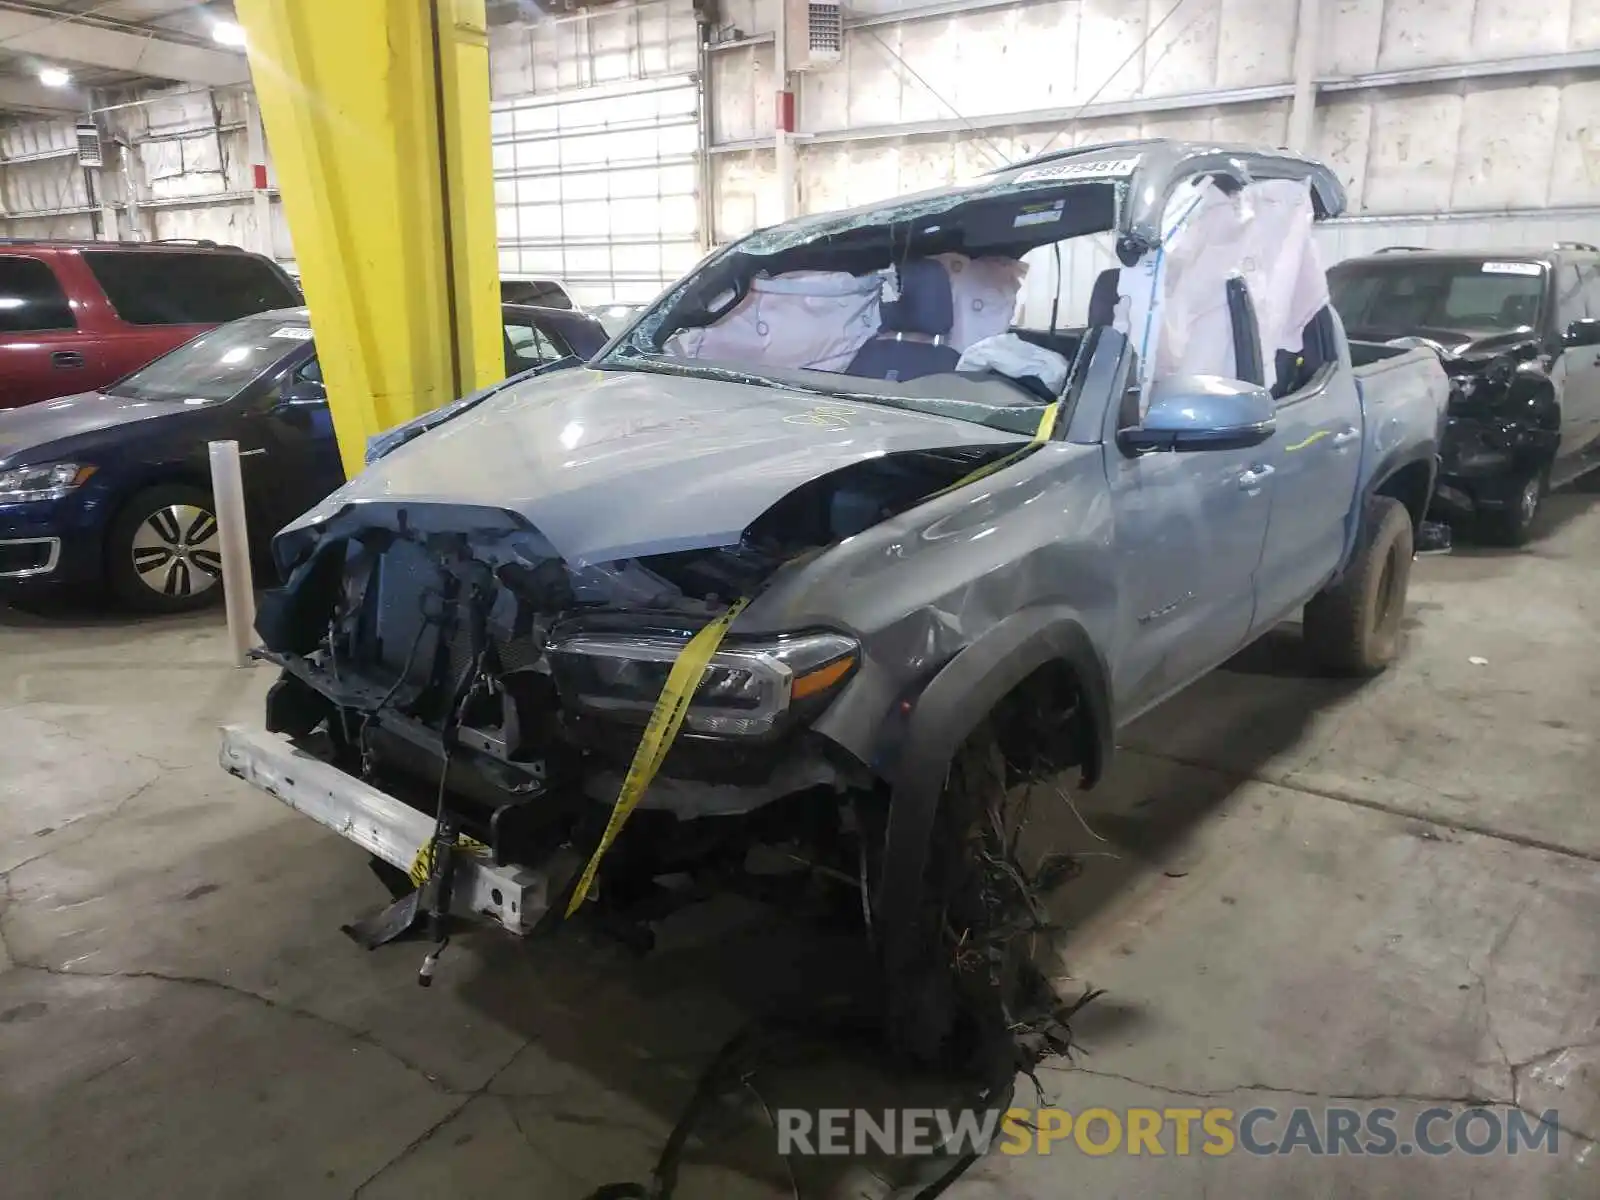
<point x="1519" y="332"/>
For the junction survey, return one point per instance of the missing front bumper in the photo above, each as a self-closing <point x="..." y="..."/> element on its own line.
<point x="514" y="896"/>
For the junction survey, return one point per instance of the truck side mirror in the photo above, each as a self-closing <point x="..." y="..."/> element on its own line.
<point x="1202" y="412"/>
<point x="1584" y="332"/>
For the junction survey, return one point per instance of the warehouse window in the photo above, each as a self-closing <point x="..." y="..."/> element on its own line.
<point x="30" y="298"/>
<point x="170" y="288"/>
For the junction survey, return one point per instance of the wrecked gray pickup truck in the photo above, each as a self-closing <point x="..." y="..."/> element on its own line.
<point x="826" y="552"/>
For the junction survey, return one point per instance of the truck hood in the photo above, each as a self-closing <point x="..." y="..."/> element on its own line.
<point x="614" y="464"/>
<point x="28" y="433"/>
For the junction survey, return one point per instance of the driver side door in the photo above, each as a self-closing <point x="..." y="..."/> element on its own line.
<point x="1190" y="526"/>
<point x="306" y="463"/>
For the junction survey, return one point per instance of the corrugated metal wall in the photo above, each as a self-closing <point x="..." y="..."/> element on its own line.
<point x="182" y="157"/>
<point x="39" y="173"/>
<point x="1512" y="142"/>
<point x="593" y="123"/>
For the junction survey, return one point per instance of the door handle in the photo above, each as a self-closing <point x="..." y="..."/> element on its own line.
<point x="66" y="360"/>
<point x="1253" y="478"/>
<point x="1345" y="436"/>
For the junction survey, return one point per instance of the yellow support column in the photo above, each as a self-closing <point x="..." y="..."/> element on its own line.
<point x="377" y="117"/>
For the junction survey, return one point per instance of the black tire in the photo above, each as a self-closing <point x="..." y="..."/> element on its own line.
<point x="162" y="553"/>
<point x="1513" y="525"/>
<point x="1353" y="627"/>
<point x="976" y="989"/>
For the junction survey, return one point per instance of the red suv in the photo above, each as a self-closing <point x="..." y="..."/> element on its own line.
<point x="76" y="316"/>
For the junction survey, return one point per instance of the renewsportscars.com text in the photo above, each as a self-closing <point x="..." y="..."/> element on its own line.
<point x="1176" y="1131"/>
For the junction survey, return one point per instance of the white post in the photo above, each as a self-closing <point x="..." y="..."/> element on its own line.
<point x="1303" y="106"/>
<point x="227" y="490"/>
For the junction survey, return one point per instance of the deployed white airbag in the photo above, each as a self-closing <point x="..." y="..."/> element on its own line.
<point x="984" y="292"/>
<point x="814" y="319"/>
<point x="1178" y="318"/>
<point x="1017" y="359"/>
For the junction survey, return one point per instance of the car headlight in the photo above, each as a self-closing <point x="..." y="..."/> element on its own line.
<point x="747" y="688"/>
<point x="48" y="482"/>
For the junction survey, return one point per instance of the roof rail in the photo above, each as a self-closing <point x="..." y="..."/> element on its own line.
<point x="1592" y="249"/>
<point x="1400" y="249"/>
<point x="205" y="243"/>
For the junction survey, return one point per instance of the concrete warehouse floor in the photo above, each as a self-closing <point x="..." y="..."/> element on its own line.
<point x="1307" y="893"/>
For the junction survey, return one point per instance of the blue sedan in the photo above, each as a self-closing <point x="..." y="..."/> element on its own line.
<point x="112" y="489"/>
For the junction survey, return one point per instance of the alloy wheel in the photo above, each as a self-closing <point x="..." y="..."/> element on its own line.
<point x="1528" y="502"/>
<point x="177" y="551"/>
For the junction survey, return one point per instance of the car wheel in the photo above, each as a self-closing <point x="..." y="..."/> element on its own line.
<point x="1513" y="524"/>
<point x="1353" y="627"/>
<point x="164" y="551"/>
<point x="979" y="981"/>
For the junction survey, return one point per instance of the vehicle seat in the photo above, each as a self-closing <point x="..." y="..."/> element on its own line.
<point x="1103" y="298"/>
<point x="910" y="342"/>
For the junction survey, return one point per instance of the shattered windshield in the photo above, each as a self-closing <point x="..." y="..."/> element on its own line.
<point x="915" y="304"/>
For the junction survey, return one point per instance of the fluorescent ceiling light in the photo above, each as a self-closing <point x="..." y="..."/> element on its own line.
<point x="54" y="77"/>
<point x="227" y="33"/>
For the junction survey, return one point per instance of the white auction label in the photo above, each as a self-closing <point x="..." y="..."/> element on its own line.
<point x="1511" y="268"/>
<point x="1098" y="168"/>
<point x="295" y="333"/>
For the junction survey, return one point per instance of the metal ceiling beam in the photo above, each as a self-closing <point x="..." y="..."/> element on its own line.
<point x="65" y="41"/>
<point x="23" y="95"/>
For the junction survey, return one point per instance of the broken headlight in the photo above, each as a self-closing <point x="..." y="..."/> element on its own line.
<point x="746" y="690"/>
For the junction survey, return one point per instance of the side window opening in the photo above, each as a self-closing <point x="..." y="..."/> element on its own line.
<point x="196" y="288"/>
<point x="1589" y="292"/>
<point x="31" y="298"/>
<point x="1318" y="347"/>
<point x="527" y="346"/>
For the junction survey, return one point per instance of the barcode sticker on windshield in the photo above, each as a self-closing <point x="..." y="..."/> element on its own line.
<point x="1510" y="268"/>
<point x="295" y="333"/>
<point x="1097" y="168"/>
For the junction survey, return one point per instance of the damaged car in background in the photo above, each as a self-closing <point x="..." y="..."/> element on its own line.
<point x="825" y="553"/>
<point x="1519" y="332"/>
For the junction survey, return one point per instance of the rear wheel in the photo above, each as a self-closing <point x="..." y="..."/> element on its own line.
<point x="1513" y="524"/>
<point x="163" y="551"/>
<point x="1353" y="628"/>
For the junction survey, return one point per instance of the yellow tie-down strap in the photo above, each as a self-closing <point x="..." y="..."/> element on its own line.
<point x="659" y="733"/>
<point x="422" y="864"/>
<point x="1041" y="435"/>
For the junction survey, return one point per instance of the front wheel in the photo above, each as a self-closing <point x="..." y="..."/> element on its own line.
<point x="980" y="980"/>
<point x="163" y="550"/>
<point x="1513" y="524"/>
<point x="1353" y="627"/>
